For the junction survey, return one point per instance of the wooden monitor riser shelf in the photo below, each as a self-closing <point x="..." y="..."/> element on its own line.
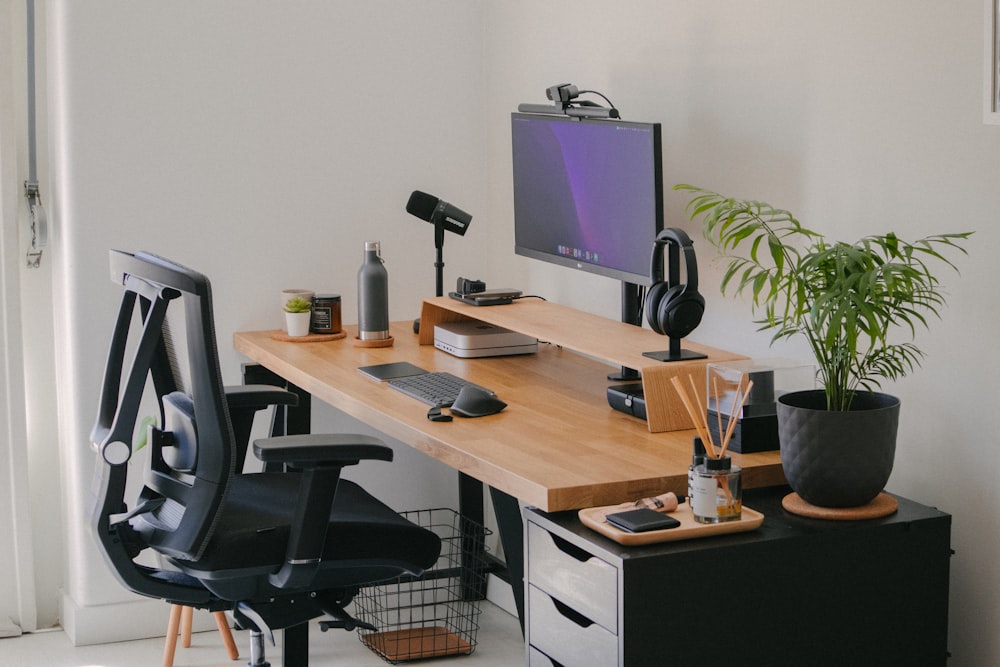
<point x="599" y="337"/>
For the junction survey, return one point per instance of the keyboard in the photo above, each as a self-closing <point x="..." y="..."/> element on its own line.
<point x="437" y="389"/>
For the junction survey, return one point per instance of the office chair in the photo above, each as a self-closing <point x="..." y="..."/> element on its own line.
<point x="278" y="547"/>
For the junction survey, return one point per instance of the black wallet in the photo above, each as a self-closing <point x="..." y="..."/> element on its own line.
<point x="641" y="520"/>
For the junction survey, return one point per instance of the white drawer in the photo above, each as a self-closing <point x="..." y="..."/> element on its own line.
<point x="565" y="637"/>
<point x="538" y="659"/>
<point x="586" y="583"/>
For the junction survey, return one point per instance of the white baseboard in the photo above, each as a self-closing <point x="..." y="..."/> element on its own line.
<point x="499" y="593"/>
<point x="141" y="618"/>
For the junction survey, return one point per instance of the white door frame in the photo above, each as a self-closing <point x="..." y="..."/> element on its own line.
<point x="16" y="569"/>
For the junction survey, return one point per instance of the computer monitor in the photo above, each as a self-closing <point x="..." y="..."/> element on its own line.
<point x="588" y="194"/>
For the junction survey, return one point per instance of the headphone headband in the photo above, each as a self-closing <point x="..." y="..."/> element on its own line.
<point x="674" y="239"/>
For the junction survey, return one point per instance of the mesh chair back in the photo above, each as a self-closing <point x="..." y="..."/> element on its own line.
<point x="164" y="345"/>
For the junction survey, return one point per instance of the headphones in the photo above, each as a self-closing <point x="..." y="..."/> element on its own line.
<point x="674" y="309"/>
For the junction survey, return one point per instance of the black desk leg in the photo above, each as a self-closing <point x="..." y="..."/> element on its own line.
<point x="472" y="511"/>
<point x="511" y="527"/>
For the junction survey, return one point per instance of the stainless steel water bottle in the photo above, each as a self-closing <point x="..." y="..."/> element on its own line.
<point x="373" y="295"/>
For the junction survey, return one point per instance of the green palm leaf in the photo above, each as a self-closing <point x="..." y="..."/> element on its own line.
<point x="844" y="298"/>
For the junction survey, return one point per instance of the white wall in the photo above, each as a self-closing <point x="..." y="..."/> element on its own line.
<point x="264" y="142"/>
<point x="261" y="143"/>
<point x="858" y="116"/>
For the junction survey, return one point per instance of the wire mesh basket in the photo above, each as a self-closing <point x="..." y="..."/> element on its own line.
<point x="437" y="613"/>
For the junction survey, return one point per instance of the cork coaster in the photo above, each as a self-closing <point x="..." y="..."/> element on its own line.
<point x="278" y="334"/>
<point x="882" y="505"/>
<point x="385" y="342"/>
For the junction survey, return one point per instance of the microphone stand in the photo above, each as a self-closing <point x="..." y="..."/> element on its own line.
<point x="438" y="267"/>
<point x="439" y="264"/>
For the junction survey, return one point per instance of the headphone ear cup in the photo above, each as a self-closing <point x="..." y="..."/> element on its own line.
<point x="680" y="312"/>
<point x="654" y="297"/>
<point x="668" y="306"/>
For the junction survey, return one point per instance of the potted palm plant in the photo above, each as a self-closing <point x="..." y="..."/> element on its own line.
<point x="848" y="301"/>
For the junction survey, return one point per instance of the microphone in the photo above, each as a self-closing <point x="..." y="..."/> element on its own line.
<point x="438" y="212"/>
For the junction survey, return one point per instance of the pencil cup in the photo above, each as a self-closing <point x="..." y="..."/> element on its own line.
<point x="717" y="491"/>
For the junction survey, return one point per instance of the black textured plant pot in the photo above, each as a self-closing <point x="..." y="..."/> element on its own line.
<point x="837" y="459"/>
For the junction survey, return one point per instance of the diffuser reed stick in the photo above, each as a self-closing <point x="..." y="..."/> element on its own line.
<point x="718" y="405"/>
<point x="698" y="415"/>
<point x="700" y="423"/>
<point x="737" y="408"/>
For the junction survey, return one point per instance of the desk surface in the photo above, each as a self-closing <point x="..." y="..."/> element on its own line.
<point x="557" y="446"/>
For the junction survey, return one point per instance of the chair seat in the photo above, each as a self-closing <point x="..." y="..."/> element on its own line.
<point x="366" y="540"/>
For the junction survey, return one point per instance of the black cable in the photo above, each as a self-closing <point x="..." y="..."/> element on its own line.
<point x="602" y="95"/>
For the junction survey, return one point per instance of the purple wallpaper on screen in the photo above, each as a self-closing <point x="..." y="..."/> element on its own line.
<point x="586" y="191"/>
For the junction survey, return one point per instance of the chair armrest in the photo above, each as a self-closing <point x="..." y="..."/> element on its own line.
<point x="257" y="396"/>
<point x="321" y="449"/>
<point x="245" y="401"/>
<point x="320" y="457"/>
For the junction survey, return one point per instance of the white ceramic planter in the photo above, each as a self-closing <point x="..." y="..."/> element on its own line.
<point x="297" y="323"/>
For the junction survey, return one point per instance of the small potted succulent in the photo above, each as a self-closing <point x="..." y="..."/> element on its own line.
<point x="850" y="302"/>
<point x="297" y="314"/>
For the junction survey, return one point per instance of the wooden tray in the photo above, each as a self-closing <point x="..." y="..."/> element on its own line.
<point x="593" y="518"/>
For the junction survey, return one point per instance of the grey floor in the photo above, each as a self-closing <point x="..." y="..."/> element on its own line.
<point x="499" y="645"/>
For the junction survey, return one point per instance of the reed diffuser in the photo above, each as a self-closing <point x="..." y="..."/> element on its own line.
<point x="716" y="486"/>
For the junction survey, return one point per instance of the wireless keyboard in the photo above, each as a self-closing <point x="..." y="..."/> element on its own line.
<point x="437" y="389"/>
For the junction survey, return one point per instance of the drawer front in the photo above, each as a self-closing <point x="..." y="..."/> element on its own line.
<point x="586" y="583"/>
<point x="566" y="637"/>
<point x="538" y="659"/>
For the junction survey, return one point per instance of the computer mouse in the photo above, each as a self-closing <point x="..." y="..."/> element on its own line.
<point x="475" y="401"/>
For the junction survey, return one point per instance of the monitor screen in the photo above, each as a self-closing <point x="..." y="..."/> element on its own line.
<point x="588" y="194"/>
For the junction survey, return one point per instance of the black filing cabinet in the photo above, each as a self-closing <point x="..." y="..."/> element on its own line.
<point x="794" y="592"/>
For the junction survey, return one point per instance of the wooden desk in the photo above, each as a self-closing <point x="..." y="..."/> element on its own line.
<point x="557" y="446"/>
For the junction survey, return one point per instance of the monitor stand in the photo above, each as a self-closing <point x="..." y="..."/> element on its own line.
<point x="675" y="353"/>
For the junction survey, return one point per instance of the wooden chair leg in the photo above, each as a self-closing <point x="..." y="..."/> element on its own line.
<point x="170" y="643"/>
<point x="227" y="635"/>
<point x="180" y="623"/>
<point x="187" y="618"/>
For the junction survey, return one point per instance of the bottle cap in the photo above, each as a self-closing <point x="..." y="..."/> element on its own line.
<point x="372" y="245"/>
<point x="725" y="463"/>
